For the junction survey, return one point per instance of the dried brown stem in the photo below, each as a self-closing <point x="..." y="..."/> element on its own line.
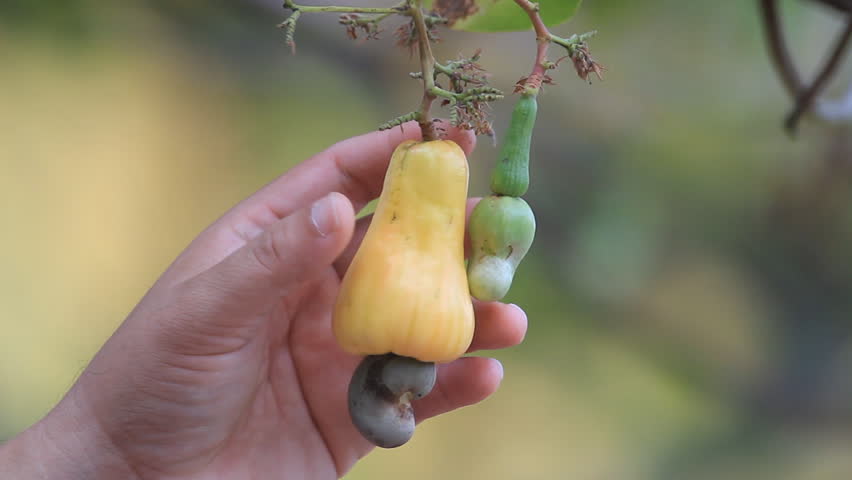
<point x="778" y="48"/>
<point x="842" y="5"/>
<point x="806" y="98"/>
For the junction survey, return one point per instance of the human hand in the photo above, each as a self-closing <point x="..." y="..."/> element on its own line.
<point x="228" y="368"/>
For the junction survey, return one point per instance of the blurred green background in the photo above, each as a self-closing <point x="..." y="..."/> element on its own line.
<point x="689" y="292"/>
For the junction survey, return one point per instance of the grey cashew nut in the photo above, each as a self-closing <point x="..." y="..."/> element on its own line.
<point x="380" y="396"/>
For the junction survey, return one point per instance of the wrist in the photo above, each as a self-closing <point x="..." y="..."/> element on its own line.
<point x="67" y="444"/>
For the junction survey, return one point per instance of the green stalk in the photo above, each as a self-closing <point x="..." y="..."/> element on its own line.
<point x="334" y="9"/>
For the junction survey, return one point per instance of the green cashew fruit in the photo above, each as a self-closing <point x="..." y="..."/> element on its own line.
<point x="501" y="233"/>
<point x="511" y="175"/>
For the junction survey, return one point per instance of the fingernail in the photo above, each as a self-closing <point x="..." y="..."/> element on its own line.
<point x="499" y="366"/>
<point x="324" y="215"/>
<point x="519" y="309"/>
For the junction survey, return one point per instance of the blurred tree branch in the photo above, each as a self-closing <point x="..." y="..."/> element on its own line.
<point x="778" y="47"/>
<point x="842" y="5"/>
<point x="805" y="96"/>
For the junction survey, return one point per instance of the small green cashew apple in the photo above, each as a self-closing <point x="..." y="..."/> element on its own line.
<point x="511" y="175"/>
<point x="501" y="232"/>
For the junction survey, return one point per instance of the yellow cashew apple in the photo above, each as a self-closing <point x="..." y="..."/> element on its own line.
<point x="406" y="291"/>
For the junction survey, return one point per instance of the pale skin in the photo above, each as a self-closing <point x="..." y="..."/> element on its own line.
<point x="227" y="368"/>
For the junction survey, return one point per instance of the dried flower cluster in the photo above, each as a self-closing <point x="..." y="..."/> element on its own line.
<point x="473" y="115"/>
<point x="585" y="64"/>
<point x="356" y="24"/>
<point x="468" y="80"/>
<point x="455" y="10"/>
<point x="406" y="34"/>
<point x="465" y="73"/>
<point x="533" y="82"/>
<point x="462" y="84"/>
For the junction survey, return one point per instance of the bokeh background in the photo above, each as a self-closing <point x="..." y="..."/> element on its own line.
<point x="689" y="291"/>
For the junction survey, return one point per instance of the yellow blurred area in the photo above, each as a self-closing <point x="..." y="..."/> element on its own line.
<point x="113" y="160"/>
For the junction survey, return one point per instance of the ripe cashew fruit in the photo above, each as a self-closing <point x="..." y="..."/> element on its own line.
<point x="406" y="290"/>
<point x="502" y="230"/>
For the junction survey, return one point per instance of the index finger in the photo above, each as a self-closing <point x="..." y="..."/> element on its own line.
<point x="354" y="167"/>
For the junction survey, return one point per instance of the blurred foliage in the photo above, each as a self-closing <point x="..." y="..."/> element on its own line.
<point x="688" y="292"/>
<point x="505" y="16"/>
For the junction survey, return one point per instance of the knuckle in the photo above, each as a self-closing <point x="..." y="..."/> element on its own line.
<point x="269" y="250"/>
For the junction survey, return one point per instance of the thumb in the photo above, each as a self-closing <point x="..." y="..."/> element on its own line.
<point x="291" y="252"/>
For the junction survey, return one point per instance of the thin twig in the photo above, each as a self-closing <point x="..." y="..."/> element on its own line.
<point x="842" y="5"/>
<point x="288" y="4"/>
<point x="427" y="64"/>
<point x="543" y="38"/>
<point x="805" y="99"/>
<point x="575" y="45"/>
<point x="778" y="48"/>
